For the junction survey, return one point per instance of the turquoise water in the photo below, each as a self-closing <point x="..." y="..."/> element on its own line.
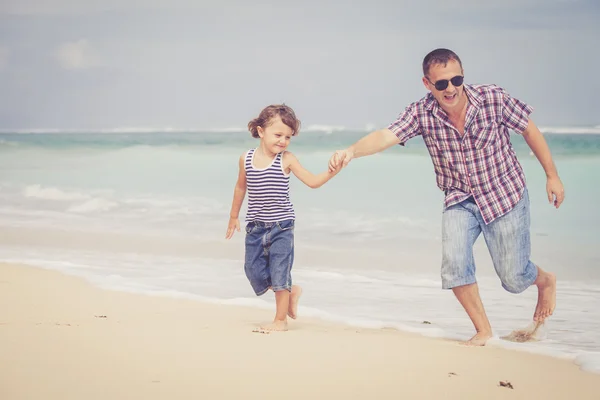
<point x="386" y="208"/>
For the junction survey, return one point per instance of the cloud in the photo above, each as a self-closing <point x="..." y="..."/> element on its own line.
<point x="76" y="55"/>
<point x="82" y="7"/>
<point x="190" y="63"/>
<point x="4" y="53"/>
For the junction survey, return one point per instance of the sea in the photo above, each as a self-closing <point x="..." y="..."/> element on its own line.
<point x="146" y="211"/>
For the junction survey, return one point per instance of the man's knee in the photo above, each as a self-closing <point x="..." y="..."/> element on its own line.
<point x="517" y="277"/>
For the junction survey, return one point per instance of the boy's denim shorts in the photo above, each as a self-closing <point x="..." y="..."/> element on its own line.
<point x="507" y="239"/>
<point x="269" y="255"/>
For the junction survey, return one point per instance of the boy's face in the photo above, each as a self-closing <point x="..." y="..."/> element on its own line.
<point x="276" y="136"/>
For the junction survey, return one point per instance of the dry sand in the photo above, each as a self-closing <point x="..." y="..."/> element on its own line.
<point x="62" y="338"/>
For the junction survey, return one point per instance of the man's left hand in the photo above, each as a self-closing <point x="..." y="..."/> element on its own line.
<point x="555" y="191"/>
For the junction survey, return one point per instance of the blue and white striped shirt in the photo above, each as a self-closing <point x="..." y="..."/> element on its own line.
<point x="268" y="191"/>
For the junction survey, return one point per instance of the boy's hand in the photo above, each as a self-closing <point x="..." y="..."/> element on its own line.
<point x="340" y="159"/>
<point x="234" y="225"/>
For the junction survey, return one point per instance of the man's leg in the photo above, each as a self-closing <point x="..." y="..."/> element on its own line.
<point x="468" y="296"/>
<point x="508" y="241"/>
<point x="460" y="230"/>
<point x="546" y="284"/>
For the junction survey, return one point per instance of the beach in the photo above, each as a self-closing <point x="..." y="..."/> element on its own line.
<point x="117" y="281"/>
<point x="62" y="338"/>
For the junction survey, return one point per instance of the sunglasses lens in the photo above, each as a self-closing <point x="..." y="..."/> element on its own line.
<point x="457" y="80"/>
<point x="442" y="84"/>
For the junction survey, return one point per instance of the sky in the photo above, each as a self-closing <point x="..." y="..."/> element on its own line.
<point x="198" y="64"/>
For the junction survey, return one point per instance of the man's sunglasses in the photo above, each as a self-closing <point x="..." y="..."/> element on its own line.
<point x="442" y="84"/>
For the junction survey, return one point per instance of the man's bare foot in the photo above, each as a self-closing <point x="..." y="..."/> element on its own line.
<point x="546" y="284"/>
<point x="480" y="339"/>
<point x="294" y="297"/>
<point x="275" y="326"/>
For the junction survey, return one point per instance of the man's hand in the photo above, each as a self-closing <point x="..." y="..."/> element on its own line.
<point x="555" y="191"/>
<point x="340" y="159"/>
<point x="234" y="225"/>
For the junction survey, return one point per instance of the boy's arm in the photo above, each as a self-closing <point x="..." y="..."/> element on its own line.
<point x="238" y="198"/>
<point x="308" y="178"/>
<point x="536" y="142"/>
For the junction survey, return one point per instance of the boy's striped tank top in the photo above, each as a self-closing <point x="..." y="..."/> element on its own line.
<point x="268" y="191"/>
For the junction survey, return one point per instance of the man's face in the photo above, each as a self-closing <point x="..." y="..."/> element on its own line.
<point x="451" y="97"/>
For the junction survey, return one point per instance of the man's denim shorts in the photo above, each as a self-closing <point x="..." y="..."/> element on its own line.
<point x="507" y="239"/>
<point x="269" y="255"/>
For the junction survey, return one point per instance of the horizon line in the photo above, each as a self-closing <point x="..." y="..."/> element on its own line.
<point x="310" y="128"/>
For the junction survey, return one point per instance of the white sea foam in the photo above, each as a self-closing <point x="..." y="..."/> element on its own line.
<point x="571" y="130"/>
<point x="93" y="205"/>
<point x="380" y="304"/>
<point x="324" y="128"/>
<point x="589" y="361"/>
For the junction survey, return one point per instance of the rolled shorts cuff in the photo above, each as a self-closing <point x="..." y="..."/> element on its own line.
<point x="280" y="288"/>
<point x="261" y="291"/>
<point x="456" y="282"/>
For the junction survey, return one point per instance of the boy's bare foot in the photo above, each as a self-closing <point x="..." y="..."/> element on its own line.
<point x="479" y="339"/>
<point x="546" y="284"/>
<point x="294" y="298"/>
<point x="275" y="326"/>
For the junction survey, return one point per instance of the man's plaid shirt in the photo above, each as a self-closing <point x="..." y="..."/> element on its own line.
<point x="482" y="162"/>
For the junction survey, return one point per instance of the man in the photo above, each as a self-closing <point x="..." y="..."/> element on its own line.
<point x="466" y="131"/>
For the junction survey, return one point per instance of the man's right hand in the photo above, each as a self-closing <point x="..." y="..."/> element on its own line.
<point x="340" y="158"/>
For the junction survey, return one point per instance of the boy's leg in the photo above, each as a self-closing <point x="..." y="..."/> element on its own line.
<point x="508" y="241"/>
<point x="282" y="302"/>
<point x="460" y="230"/>
<point x="256" y="264"/>
<point x="281" y="259"/>
<point x="294" y="298"/>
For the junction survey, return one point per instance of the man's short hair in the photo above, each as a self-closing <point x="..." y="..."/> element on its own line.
<point x="439" y="56"/>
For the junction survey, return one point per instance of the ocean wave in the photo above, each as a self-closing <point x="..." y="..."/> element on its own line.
<point x="171" y="277"/>
<point x="131" y="129"/>
<point x="578" y="130"/>
<point x="93" y="205"/>
<point x="395" y="280"/>
<point x="588" y="361"/>
<point x="8" y="143"/>
<point x="324" y="128"/>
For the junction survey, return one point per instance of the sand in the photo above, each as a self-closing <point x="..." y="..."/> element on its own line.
<point x="62" y="338"/>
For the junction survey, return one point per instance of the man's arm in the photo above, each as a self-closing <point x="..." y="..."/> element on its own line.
<point x="536" y="142"/>
<point x="372" y="143"/>
<point x="308" y="178"/>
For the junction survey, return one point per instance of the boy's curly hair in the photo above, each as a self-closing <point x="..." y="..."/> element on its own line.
<point x="266" y="116"/>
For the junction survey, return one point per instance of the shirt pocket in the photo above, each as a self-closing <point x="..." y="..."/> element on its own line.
<point x="485" y="137"/>
<point x="250" y="227"/>
<point x="444" y="148"/>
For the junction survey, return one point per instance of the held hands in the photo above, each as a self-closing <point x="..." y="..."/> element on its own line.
<point x="555" y="191"/>
<point x="234" y="225"/>
<point x="340" y="159"/>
